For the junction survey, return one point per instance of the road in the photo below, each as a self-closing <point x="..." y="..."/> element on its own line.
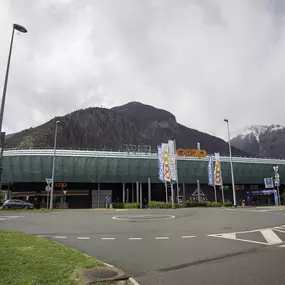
<point x="182" y="246"/>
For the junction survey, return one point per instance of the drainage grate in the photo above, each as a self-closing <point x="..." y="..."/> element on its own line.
<point x="98" y="274"/>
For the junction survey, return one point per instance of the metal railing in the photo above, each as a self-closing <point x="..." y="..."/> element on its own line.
<point x="129" y="155"/>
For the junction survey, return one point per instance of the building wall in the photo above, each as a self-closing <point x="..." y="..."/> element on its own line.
<point x="89" y="167"/>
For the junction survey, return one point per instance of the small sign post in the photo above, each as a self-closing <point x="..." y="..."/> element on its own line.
<point x="64" y="198"/>
<point x="108" y="201"/>
<point x="48" y="188"/>
<point x="277" y="182"/>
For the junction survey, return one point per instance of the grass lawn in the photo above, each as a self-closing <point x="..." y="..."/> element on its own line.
<point x="31" y="260"/>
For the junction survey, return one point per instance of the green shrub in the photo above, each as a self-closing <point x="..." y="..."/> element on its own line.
<point x="118" y="205"/>
<point x="228" y="204"/>
<point x="209" y="204"/>
<point x="126" y="205"/>
<point x="190" y="203"/>
<point x="159" y="205"/>
<point x="131" y="205"/>
<point x="202" y="203"/>
<point x="216" y="204"/>
<point x="176" y="206"/>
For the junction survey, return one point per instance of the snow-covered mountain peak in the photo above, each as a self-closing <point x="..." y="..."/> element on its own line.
<point x="257" y="130"/>
<point x="254" y="130"/>
<point x="273" y="128"/>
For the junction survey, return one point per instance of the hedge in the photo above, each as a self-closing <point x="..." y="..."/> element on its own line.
<point x="204" y="203"/>
<point x="161" y="205"/>
<point x="126" y="205"/>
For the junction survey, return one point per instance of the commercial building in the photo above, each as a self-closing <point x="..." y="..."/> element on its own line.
<point x="90" y="176"/>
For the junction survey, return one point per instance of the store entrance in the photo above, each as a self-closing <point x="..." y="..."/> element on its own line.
<point x="262" y="200"/>
<point x="262" y="197"/>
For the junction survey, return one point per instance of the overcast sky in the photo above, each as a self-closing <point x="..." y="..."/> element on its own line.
<point x="201" y="60"/>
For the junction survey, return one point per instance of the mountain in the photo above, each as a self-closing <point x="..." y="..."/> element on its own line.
<point x="262" y="141"/>
<point x="100" y="128"/>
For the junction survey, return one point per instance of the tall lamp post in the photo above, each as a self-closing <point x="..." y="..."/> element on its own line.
<point x="53" y="165"/>
<point x="2" y="137"/>
<point x="231" y="162"/>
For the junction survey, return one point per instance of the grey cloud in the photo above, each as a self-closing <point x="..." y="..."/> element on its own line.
<point x="201" y="60"/>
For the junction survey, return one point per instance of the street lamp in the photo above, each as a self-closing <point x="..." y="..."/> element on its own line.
<point x="53" y="165"/>
<point x="22" y="30"/>
<point x="231" y="162"/>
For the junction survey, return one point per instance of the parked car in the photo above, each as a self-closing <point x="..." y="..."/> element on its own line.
<point x="17" y="204"/>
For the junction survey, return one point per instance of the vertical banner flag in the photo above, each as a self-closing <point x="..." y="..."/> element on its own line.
<point x="160" y="164"/>
<point x="218" y="171"/>
<point x="210" y="171"/>
<point x="165" y="158"/>
<point x="172" y="162"/>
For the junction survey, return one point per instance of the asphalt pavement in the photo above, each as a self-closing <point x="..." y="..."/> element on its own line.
<point x="181" y="246"/>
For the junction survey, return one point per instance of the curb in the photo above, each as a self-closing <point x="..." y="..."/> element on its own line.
<point x="131" y="279"/>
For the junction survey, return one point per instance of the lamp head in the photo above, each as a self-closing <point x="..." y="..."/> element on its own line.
<point x="20" y="28"/>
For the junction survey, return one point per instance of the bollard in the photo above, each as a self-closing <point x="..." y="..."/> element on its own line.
<point x="243" y="203"/>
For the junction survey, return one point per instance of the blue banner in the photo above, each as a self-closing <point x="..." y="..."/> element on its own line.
<point x="210" y="171"/>
<point x="160" y="164"/>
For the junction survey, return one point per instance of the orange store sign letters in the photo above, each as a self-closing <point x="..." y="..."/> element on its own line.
<point x="191" y="152"/>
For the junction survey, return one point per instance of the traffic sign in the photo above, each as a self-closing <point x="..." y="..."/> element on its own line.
<point x="48" y="188"/>
<point x="276" y="182"/>
<point x="276" y="168"/>
<point x="48" y="181"/>
<point x="108" y="199"/>
<point x="268" y="182"/>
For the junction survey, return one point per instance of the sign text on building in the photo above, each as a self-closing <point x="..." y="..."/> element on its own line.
<point x="191" y="152"/>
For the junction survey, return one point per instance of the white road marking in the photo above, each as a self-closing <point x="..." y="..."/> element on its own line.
<point x="270" y="236"/>
<point x="135" y="238"/>
<point x="283" y="245"/>
<point x="279" y="229"/>
<point x="278" y="213"/>
<point x="41" y="236"/>
<point x="107" y="264"/>
<point x="5" y="218"/>
<point x="161" y="237"/>
<point x="140" y="217"/>
<point x="188" y="236"/>
<point x="108" y="238"/>
<point x="134" y="282"/>
<point x="83" y="237"/>
<point x="59" y="237"/>
<point x="228" y="236"/>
